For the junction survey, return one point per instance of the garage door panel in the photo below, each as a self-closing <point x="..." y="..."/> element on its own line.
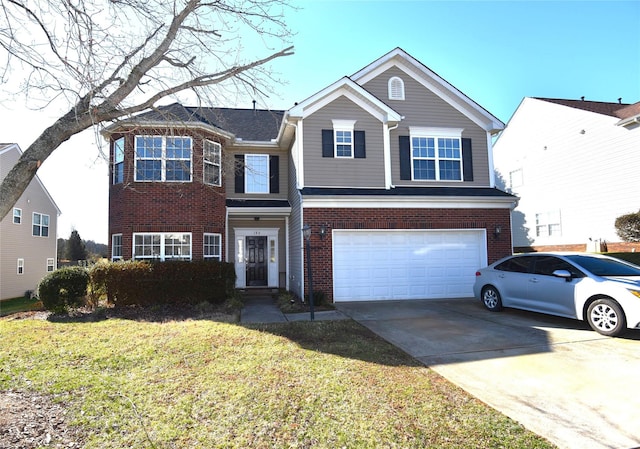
<point x="422" y="264"/>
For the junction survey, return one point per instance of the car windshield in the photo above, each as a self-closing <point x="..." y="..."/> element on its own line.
<point x="604" y="267"/>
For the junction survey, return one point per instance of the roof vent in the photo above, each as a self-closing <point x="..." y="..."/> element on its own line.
<point x="254" y="105"/>
<point x="619" y="100"/>
<point x="582" y="98"/>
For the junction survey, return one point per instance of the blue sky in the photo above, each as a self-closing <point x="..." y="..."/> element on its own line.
<point x="494" y="52"/>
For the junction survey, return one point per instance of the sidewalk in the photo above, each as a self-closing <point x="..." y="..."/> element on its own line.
<point x="264" y="310"/>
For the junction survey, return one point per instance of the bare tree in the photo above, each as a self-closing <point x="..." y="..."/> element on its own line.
<point x="109" y="59"/>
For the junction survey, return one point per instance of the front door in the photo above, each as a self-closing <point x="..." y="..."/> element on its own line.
<point x="256" y="260"/>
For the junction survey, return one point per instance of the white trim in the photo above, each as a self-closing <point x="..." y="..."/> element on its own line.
<point x="20" y="267"/>
<point x="409" y="203"/>
<point x="266" y="177"/>
<point x="113" y="245"/>
<point x="386" y="156"/>
<point x="354" y="92"/>
<point x="391" y="90"/>
<point x="161" y="255"/>
<point x="432" y="81"/>
<point x="13" y="216"/>
<point x="261" y="211"/>
<point x="273" y="272"/>
<point x="430" y="131"/>
<point x="214" y="234"/>
<point x="217" y="148"/>
<point x="163" y="158"/>
<point x="344" y="126"/>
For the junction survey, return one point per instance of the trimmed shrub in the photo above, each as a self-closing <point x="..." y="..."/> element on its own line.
<point x="628" y="227"/>
<point x="63" y="289"/>
<point x="174" y="282"/>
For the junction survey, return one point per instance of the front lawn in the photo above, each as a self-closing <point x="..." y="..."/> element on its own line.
<point x="21" y="304"/>
<point x="206" y="384"/>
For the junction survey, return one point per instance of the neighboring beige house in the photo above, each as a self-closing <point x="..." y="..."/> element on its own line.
<point x="574" y="165"/>
<point x="28" y="242"/>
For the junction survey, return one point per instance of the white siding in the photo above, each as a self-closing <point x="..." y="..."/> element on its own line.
<point x="573" y="161"/>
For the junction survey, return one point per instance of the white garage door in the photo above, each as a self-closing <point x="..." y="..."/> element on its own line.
<point x="406" y="264"/>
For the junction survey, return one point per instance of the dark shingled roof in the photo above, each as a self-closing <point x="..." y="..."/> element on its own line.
<point x="629" y="111"/>
<point x="409" y="191"/>
<point x="599" y="107"/>
<point x="246" y="124"/>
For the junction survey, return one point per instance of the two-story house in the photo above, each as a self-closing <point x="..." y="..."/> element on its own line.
<point x="28" y="243"/>
<point x="390" y="167"/>
<point x="574" y="166"/>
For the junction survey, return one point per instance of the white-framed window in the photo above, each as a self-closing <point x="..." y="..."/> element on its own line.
<point x="162" y="246"/>
<point x="515" y="178"/>
<point x="118" y="161"/>
<point x="51" y="264"/>
<point x="256" y="173"/>
<point x="343" y="138"/>
<point x="40" y="225"/>
<point x="396" y="88"/>
<point x="212" y="246"/>
<point x="211" y="156"/>
<point x="116" y="247"/>
<point x="164" y="159"/>
<point x="20" y="269"/>
<point x="548" y="224"/>
<point x="17" y="215"/>
<point x="436" y="154"/>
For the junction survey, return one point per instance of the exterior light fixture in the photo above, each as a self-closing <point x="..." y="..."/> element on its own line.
<point x="323" y="231"/>
<point x="306" y="233"/>
<point x="497" y="232"/>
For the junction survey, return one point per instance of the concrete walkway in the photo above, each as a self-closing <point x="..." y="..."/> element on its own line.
<point x="262" y="309"/>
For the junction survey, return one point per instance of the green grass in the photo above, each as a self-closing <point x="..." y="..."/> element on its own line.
<point x="207" y="384"/>
<point x="20" y="304"/>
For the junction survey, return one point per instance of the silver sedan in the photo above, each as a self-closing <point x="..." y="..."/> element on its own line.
<point x="601" y="290"/>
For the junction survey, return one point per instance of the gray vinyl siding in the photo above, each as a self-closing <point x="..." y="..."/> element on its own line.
<point x="421" y="107"/>
<point x="17" y="241"/>
<point x="229" y="173"/>
<point x="296" y="281"/>
<point x="343" y="172"/>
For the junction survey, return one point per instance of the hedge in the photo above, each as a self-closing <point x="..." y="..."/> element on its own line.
<point x="175" y="282"/>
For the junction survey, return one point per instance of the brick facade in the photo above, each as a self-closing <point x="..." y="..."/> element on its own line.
<point x="165" y="206"/>
<point x="342" y="218"/>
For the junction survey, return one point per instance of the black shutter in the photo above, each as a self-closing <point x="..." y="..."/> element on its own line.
<point x="467" y="160"/>
<point x="274" y="174"/>
<point x="359" y="150"/>
<point x="239" y="171"/>
<point x="405" y="157"/>
<point x="327" y="143"/>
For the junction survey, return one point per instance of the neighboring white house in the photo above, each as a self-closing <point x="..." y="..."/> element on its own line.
<point x="28" y="243"/>
<point x="574" y="164"/>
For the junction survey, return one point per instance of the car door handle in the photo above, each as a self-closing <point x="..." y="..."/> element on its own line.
<point x="534" y="280"/>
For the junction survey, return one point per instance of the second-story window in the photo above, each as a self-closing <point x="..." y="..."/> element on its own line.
<point x="163" y="158"/>
<point x="17" y="215"/>
<point x="343" y="138"/>
<point x="40" y="225"/>
<point x="435" y="157"/>
<point x="256" y="173"/>
<point x="118" y="161"/>
<point x="211" y="159"/>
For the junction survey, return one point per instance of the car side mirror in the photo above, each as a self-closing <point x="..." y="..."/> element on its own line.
<point x="563" y="274"/>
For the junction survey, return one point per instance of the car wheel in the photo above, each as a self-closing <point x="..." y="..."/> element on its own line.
<point x="606" y="317"/>
<point x="491" y="298"/>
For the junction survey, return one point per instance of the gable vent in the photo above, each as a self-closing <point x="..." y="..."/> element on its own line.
<point x="396" y="88"/>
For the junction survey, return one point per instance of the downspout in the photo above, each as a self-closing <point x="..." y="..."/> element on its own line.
<point x="387" y="164"/>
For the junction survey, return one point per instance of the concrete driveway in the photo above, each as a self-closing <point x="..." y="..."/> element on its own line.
<point x="559" y="379"/>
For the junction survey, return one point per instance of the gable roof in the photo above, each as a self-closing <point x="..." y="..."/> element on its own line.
<point x="432" y="81"/>
<point x="253" y="125"/>
<point x="5" y="148"/>
<point x="599" y="107"/>
<point x="352" y="90"/>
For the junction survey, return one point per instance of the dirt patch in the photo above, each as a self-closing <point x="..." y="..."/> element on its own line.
<point x="30" y="420"/>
